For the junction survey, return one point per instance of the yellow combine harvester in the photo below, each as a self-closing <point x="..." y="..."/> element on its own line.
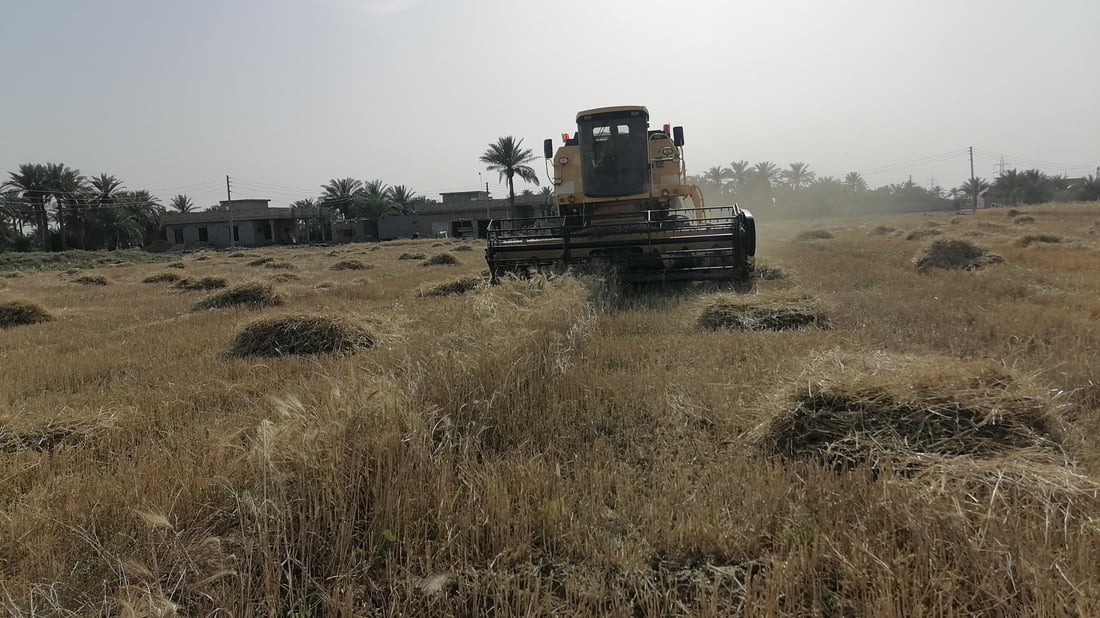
<point x="622" y="197"/>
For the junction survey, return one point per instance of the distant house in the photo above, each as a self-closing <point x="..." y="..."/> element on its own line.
<point x="254" y="223"/>
<point x="459" y="217"/>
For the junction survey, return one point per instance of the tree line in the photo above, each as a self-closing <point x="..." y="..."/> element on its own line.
<point x="798" y="191"/>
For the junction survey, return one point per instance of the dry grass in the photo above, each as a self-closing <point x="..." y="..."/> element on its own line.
<point x="275" y="265"/>
<point x="300" y="335"/>
<point x="91" y="280"/>
<point x="923" y="233"/>
<point x="1031" y="239"/>
<point x="553" y="446"/>
<point x="162" y="278"/>
<point x="411" y="256"/>
<point x="176" y="265"/>
<point x="769" y="272"/>
<point x="461" y="285"/>
<point x="950" y="254"/>
<point x="463" y="248"/>
<point x="249" y="295"/>
<point x="1024" y="220"/>
<point x="285" y="277"/>
<point x="814" y="235"/>
<point x="883" y="230"/>
<point x="261" y="261"/>
<point x="441" y="259"/>
<point x="22" y="313"/>
<point x="10" y="274"/>
<point x="202" y="284"/>
<point x="761" y="312"/>
<point x="350" y="265"/>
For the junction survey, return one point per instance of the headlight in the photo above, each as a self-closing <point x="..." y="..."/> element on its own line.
<point x="563" y="160"/>
<point x="668" y="151"/>
<point x="572" y="198"/>
<point x="665" y="193"/>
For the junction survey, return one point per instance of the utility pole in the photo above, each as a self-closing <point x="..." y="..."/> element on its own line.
<point x="973" y="184"/>
<point x="229" y="205"/>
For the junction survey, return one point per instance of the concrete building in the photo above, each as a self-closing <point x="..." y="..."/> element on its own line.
<point x="456" y="217"/>
<point x="254" y="224"/>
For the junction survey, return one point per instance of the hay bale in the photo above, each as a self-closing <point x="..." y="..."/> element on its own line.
<point x="463" y="248"/>
<point x="260" y="261"/>
<point x="767" y="272"/>
<point x="883" y="230"/>
<point x="162" y="278"/>
<point x="922" y="234"/>
<point x="200" y="285"/>
<point x="759" y="312"/>
<point x="411" y="256"/>
<point x="441" y="259"/>
<point x="285" y="277"/>
<point x="1031" y="239"/>
<point x="1024" y="220"/>
<point x="22" y="313"/>
<point x="907" y="415"/>
<point x="176" y="265"/>
<point x="280" y="266"/>
<point x="350" y="265"/>
<point x="814" y="235"/>
<point x="456" y="286"/>
<point x="300" y="335"/>
<point x="952" y="254"/>
<point x="91" y="280"/>
<point x="250" y="295"/>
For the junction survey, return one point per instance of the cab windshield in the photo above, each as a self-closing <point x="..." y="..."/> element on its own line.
<point x="614" y="156"/>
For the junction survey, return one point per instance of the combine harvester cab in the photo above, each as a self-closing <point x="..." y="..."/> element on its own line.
<point x="622" y="198"/>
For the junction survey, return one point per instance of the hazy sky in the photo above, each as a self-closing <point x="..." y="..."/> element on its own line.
<point x="286" y="94"/>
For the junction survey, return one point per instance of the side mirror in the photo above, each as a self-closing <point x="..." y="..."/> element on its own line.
<point x="678" y="135"/>
<point x="547" y="148"/>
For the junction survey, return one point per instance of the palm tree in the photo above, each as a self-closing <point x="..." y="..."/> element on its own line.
<point x="509" y="159"/>
<point x="133" y="221"/>
<point x="403" y="200"/>
<point x="798" y="175"/>
<point x="67" y="187"/>
<point x="181" y="203"/>
<point x="855" y="182"/>
<point x="1009" y="186"/>
<point x="973" y="188"/>
<point x="340" y="194"/>
<point x="766" y="172"/>
<point x="1089" y="189"/>
<point x="31" y="184"/>
<point x="717" y="177"/>
<point x="1036" y="187"/>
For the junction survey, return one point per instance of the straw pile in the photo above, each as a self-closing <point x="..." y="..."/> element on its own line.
<point x="814" y="235"/>
<point x="91" y="280"/>
<point x="41" y="441"/>
<point x="463" y="248"/>
<point x="767" y="272"/>
<point x="915" y="413"/>
<point x="883" y="230"/>
<point x="1012" y="212"/>
<point x="952" y="254"/>
<point x="250" y="295"/>
<point x="280" y="266"/>
<point x="760" y="312"/>
<point x="300" y="335"/>
<point x="177" y="265"/>
<point x="22" y="313"/>
<point x="11" y="274"/>
<point x="456" y="286"/>
<point x="441" y="259"/>
<point x="1023" y="220"/>
<point x="349" y="265"/>
<point x="200" y="285"/>
<point x="162" y="278"/>
<point x="922" y="234"/>
<point x="285" y="277"/>
<point x="411" y="256"/>
<point x="202" y="258"/>
<point x="931" y="224"/>
<point x="260" y="261"/>
<point x="1031" y="239"/>
<point x="237" y="254"/>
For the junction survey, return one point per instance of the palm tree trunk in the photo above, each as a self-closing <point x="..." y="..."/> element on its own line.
<point x="511" y="193"/>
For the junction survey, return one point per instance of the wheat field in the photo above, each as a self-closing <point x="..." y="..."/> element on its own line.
<point x="907" y="444"/>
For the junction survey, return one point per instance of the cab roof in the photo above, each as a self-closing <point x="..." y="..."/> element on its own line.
<point x="612" y="110"/>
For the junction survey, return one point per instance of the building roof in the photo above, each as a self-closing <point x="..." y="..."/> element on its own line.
<point x="243" y="213"/>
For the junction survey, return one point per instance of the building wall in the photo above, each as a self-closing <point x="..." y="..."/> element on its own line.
<point x="250" y="233"/>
